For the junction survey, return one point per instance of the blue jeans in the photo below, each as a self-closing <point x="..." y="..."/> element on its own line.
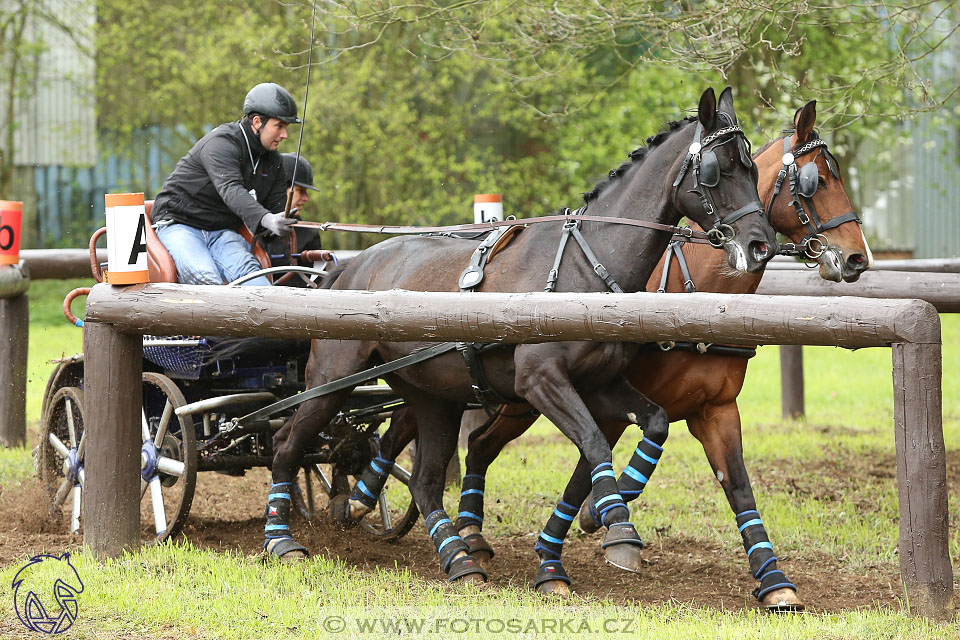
<point x="209" y="257"/>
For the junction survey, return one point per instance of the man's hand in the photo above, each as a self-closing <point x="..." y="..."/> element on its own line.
<point x="277" y="224"/>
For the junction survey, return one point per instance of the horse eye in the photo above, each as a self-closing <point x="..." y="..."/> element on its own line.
<point x="821" y="181"/>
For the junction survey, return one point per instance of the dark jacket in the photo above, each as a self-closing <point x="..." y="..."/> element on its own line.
<point x="210" y="186"/>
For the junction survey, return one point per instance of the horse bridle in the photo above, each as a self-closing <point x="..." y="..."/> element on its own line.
<point x="706" y="175"/>
<point x="803" y="186"/>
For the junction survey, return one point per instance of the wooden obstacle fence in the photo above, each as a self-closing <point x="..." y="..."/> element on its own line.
<point x="941" y="289"/>
<point x="116" y="318"/>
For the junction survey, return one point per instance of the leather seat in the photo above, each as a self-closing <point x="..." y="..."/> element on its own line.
<point x="160" y="265"/>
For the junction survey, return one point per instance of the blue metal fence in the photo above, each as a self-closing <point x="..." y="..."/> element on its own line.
<point x="70" y="199"/>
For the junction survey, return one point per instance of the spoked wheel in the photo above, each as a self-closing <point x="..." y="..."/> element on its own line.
<point x="395" y="513"/>
<point x="168" y="459"/>
<point x="62" y="446"/>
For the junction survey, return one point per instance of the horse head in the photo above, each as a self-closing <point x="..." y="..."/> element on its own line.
<point x="814" y="211"/>
<point x="715" y="185"/>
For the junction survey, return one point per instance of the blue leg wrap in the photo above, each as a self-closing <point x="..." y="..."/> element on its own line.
<point x="277" y="512"/>
<point x="763" y="562"/>
<point x="445" y="537"/>
<point x="471" y="502"/>
<point x="368" y="487"/>
<point x="550" y="541"/>
<point x="637" y="474"/>
<point x="608" y="503"/>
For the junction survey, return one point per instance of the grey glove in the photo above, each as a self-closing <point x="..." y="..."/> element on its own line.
<point x="277" y="224"/>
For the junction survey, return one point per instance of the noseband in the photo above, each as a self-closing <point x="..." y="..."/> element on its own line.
<point x="803" y="185"/>
<point x="706" y="175"/>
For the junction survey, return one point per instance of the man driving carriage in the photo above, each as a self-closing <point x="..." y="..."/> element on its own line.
<point x="233" y="177"/>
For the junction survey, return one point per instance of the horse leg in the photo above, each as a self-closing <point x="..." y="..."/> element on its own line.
<point x="551" y="578"/>
<point x="615" y="408"/>
<point x="484" y="445"/>
<point x="546" y="385"/>
<point x="291" y="442"/>
<point x="718" y="430"/>
<point x="349" y="509"/>
<point x="438" y="426"/>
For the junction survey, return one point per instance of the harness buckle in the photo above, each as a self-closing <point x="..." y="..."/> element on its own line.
<point x="667" y="345"/>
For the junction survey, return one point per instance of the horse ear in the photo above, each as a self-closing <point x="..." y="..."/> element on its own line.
<point x="65" y="556"/>
<point x="804" y="120"/>
<point x="707" y="111"/>
<point x="726" y="103"/>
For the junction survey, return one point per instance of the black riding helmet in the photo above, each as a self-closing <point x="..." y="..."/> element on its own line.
<point x="304" y="177"/>
<point x="271" y="100"/>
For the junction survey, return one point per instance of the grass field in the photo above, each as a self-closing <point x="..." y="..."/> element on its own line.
<point x="825" y="486"/>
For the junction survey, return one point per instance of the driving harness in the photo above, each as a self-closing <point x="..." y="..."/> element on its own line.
<point x="706" y="173"/>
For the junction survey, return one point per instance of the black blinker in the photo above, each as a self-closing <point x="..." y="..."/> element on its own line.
<point x="808" y="180"/>
<point x="709" y="169"/>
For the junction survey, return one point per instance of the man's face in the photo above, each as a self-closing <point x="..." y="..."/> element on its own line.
<point x="300" y="197"/>
<point x="272" y="133"/>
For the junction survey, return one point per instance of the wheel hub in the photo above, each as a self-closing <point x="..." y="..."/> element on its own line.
<point x="148" y="461"/>
<point x="71" y="466"/>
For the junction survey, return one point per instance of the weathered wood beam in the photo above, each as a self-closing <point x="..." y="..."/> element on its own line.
<point x="112" y="397"/>
<point x="60" y="264"/>
<point x="14" y="328"/>
<point x="933" y="265"/>
<point x="791" y="381"/>
<point x="922" y="478"/>
<point x="942" y="290"/>
<point x="169" y="309"/>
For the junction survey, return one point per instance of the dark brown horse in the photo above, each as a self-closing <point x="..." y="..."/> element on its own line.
<point x="700" y="168"/>
<point x="701" y="389"/>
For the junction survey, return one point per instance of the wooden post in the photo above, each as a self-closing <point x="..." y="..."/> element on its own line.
<point x="791" y="381"/>
<point x="14" y="327"/>
<point x="14" y="324"/>
<point x="112" y="399"/>
<point x="922" y="478"/>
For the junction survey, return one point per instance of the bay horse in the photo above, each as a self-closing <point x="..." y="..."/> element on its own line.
<point x="701" y="389"/>
<point x="700" y="168"/>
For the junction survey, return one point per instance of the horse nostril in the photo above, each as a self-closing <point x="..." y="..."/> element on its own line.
<point x="857" y="261"/>
<point x="761" y="251"/>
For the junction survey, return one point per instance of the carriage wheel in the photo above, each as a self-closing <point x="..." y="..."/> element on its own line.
<point x="62" y="445"/>
<point x="392" y="518"/>
<point x="168" y="459"/>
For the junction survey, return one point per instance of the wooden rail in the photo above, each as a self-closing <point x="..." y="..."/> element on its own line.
<point x="932" y="265"/>
<point x="116" y="317"/>
<point x="940" y="289"/>
<point x="60" y="264"/>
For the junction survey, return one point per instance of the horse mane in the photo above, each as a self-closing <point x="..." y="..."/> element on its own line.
<point x="636" y="156"/>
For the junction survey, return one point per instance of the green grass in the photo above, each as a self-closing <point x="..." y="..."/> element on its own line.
<point x="177" y="591"/>
<point x="825" y="485"/>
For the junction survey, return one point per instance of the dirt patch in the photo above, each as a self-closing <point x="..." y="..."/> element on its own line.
<point x="227" y="514"/>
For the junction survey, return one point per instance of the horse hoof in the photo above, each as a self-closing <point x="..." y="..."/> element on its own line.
<point x="340" y="512"/>
<point x="587" y="523"/>
<point x="475" y="579"/>
<point x="782" y="601"/>
<point x="478" y="547"/>
<point x="555" y="588"/>
<point x="286" y="550"/>
<point x="624" y="556"/>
